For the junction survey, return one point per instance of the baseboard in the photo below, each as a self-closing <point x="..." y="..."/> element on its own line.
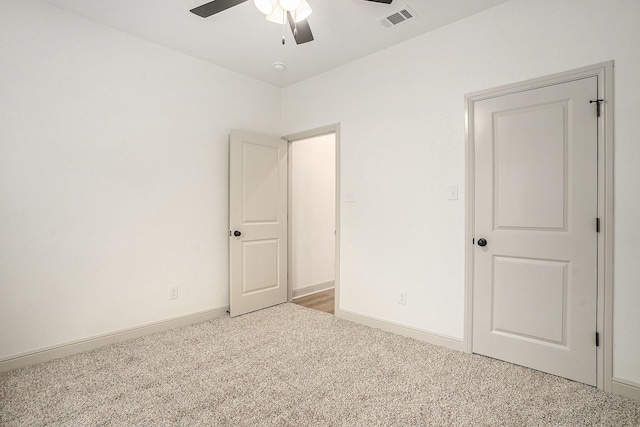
<point x="308" y="290"/>
<point x="404" y="330"/>
<point x="625" y="388"/>
<point x="74" y="347"/>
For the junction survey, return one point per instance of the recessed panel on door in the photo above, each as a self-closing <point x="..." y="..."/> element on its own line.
<point x="259" y="266"/>
<point x="530" y="166"/>
<point x="260" y="183"/>
<point x="530" y="299"/>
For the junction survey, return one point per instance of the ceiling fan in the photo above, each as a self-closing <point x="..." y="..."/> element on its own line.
<point x="294" y="12"/>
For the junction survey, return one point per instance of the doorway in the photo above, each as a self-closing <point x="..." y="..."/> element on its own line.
<point x="539" y="223"/>
<point x="259" y="228"/>
<point x="312" y="221"/>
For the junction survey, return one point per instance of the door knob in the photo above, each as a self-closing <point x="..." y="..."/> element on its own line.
<point x="482" y="242"/>
<point x="237" y="233"/>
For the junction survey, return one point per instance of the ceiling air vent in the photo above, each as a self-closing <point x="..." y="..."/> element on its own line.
<point x="398" y="17"/>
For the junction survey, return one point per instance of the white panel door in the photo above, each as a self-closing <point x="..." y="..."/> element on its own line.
<point x="535" y="278"/>
<point x="257" y="222"/>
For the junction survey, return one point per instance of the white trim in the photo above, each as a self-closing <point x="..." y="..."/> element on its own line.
<point x="313" y="289"/>
<point x="404" y="330"/>
<point x="605" y="240"/>
<point x="79" y="346"/>
<point x="325" y="130"/>
<point x="625" y="388"/>
<point x="290" y="271"/>
<point x="604" y="73"/>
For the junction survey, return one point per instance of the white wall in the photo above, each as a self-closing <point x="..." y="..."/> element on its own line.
<point x="113" y="177"/>
<point x="402" y="122"/>
<point x="313" y="183"/>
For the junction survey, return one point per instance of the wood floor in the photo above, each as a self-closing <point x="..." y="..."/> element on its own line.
<point x="322" y="301"/>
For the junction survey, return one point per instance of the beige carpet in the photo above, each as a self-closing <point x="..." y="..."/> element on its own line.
<point x="292" y="366"/>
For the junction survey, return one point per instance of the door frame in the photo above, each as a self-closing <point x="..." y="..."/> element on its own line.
<point x="604" y="310"/>
<point x="321" y="131"/>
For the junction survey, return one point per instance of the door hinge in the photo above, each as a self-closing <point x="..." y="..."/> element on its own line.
<point x="597" y="339"/>
<point x="598" y="103"/>
<point x="597" y="225"/>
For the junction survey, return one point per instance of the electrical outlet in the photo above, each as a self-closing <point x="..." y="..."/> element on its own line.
<point x="350" y="197"/>
<point x="173" y="292"/>
<point x="402" y="297"/>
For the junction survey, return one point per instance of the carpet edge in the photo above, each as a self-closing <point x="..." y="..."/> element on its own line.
<point x="55" y="352"/>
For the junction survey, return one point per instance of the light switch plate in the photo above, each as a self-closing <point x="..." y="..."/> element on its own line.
<point x="453" y="192"/>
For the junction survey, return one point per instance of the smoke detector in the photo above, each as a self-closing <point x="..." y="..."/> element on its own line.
<point x="279" y="66"/>
<point x="397" y="17"/>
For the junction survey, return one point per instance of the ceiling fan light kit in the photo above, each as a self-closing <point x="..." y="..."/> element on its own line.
<point x="289" y="5"/>
<point x="276" y="11"/>
<point x="267" y="6"/>
<point x="264" y="6"/>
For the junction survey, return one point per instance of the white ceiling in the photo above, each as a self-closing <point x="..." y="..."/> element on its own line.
<point x="241" y="39"/>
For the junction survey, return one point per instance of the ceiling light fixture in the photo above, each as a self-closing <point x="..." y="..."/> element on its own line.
<point x="277" y="10"/>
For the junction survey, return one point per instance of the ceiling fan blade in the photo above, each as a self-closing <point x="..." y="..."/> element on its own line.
<point x="301" y="30"/>
<point x="381" y="1"/>
<point x="215" y="6"/>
